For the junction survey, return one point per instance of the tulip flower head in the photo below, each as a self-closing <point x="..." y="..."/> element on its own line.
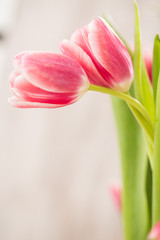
<point x="102" y="55"/>
<point x="46" y="80"/>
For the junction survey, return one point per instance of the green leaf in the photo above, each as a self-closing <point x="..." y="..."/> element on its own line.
<point x="142" y="84"/>
<point x="156" y="65"/>
<point x="137" y="57"/>
<point x="147" y="93"/>
<point x="134" y="163"/>
<point x="156" y="161"/>
<point x="149" y="190"/>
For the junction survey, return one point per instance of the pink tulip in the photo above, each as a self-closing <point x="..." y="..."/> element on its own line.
<point x="46" y="80"/>
<point x="148" y="59"/>
<point x="116" y="192"/>
<point x="155" y="232"/>
<point x="102" y="55"/>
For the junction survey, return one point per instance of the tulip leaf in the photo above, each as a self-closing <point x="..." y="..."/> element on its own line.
<point x="156" y="65"/>
<point x="156" y="161"/>
<point x="137" y="58"/>
<point x="147" y="93"/>
<point x="142" y="84"/>
<point x="134" y="164"/>
<point x="149" y="182"/>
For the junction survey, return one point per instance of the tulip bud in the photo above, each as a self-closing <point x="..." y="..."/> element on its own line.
<point x="46" y="80"/>
<point x="102" y="55"/>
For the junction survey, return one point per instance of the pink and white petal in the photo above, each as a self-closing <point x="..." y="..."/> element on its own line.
<point x="18" y="60"/>
<point x="110" y="51"/>
<point x="15" y="102"/>
<point x="72" y="50"/>
<point x="155" y="232"/>
<point x="53" y="72"/>
<point x="12" y="77"/>
<point x="148" y="59"/>
<point x="80" y="38"/>
<point x="122" y="86"/>
<point x="26" y="91"/>
<point x="21" y="84"/>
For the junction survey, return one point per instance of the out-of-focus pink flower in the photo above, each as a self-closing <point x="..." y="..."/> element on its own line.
<point x="46" y="80"/>
<point x="102" y="55"/>
<point x="116" y="192"/>
<point x="148" y="59"/>
<point x="155" y="232"/>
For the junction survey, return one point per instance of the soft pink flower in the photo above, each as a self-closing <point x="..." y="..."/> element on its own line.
<point x="155" y="232"/>
<point x="102" y="55"/>
<point x="46" y="80"/>
<point x="148" y="59"/>
<point x="116" y="192"/>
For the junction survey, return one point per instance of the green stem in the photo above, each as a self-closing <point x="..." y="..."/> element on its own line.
<point x="148" y="188"/>
<point x="140" y="112"/>
<point x="133" y="164"/>
<point x="149" y="143"/>
<point x="156" y="162"/>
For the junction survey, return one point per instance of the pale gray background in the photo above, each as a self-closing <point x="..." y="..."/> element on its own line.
<point x="56" y="166"/>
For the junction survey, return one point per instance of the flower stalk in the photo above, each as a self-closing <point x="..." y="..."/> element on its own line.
<point x="136" y="107"/>
<point x="156" y="162"/>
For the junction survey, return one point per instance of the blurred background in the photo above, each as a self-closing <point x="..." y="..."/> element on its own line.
<point x="57" y="165"/>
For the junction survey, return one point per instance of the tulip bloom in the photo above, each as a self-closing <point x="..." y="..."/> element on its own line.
<point x="102" y="55"/>
<point x="46" y="80"/>
<point x="155" y="232"/>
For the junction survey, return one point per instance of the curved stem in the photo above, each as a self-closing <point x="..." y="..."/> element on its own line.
<point x="140" y="112"/>
<point x="143" y="123"/>
<point x="156" y="161"/>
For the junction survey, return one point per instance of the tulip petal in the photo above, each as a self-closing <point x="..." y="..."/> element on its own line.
<point x="53" y="72"/>
<point x="26" y="91"/>
<point x="116" y="192"/>
<point x="13" y="76"/>
<point x="15" y="102"/>
<point x="155" y="232"/>
<point x="72" y="50"/>
<point x="110" y="52"/>
<point x="80" y="38"/>
<point x="148" y="59"/>
<point x="17" y="62"/>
